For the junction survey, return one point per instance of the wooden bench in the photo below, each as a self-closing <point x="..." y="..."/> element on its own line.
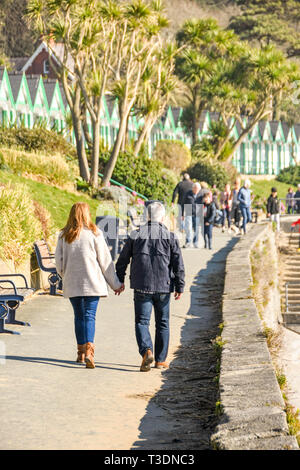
<point x="11" y="297"/>
<point x="46" y="263"/>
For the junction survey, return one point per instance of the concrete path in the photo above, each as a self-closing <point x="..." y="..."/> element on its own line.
<point x="50" y="402"/>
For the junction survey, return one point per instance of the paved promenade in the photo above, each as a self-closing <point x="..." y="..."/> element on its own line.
<point x="50" y="402"/>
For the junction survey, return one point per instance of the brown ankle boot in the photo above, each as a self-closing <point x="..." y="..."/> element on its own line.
<point x="80" y="353"/>
<point x="89" y="355"/>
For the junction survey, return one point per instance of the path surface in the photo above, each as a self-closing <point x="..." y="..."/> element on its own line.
<point x="53" y="403"/>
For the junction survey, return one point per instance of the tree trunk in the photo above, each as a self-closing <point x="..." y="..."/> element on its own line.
<point x="80" y="148"/>
<point x="109" y="168"/>
<point x="143" y="136"/>
<point x="95" y="155"/>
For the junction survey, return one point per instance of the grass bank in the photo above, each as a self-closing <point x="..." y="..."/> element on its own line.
<point x="57" y="201"/>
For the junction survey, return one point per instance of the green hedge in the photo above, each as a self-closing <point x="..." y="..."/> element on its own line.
<point x="36" y="139"/>
<point x="211" y="173"/>
<point x="290" y="175"/>
<point x="144" y="175"/>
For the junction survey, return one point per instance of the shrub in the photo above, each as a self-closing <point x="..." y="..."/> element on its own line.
<point x="36" y="139"/>
<point x="51" y="169"/>
<point x="144" y="175"/>
<point x="174" y="154"/>
<point x="290" y="175"/>
<point x="19" y="225"/>
<point x="212" y="173"/>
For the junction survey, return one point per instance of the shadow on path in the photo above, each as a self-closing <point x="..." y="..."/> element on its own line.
<point x="70" y="364"/>
<point x="182" y="415"/>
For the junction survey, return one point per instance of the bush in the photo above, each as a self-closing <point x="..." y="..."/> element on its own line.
<point x="36" y="139"/>
<point x="144" y="175"/>
<point x="212" y="173"/>
<point x="51" y="169"/>
<point x="19" y="224"/>
<point x="174" y="154"/>
<point x="290" y="175"/>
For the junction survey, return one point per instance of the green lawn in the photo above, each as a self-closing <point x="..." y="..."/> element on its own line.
<point x="57" y="201"/>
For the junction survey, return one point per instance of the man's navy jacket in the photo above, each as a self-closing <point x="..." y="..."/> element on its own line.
<point x="156" y="260"/>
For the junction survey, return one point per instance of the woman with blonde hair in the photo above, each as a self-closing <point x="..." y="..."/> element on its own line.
<point x="84" y="262"/>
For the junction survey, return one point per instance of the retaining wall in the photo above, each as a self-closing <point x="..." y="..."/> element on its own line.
<point x="253" y="415"/>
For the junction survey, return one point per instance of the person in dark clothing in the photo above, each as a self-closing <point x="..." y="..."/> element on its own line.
<point x="273" y="209"/>
<point x="236" y="212"/>
<point x="180" y="191"/>
<point x="209" y="218"/>
<point x="297" y="199"/>
<point x="156" y="270"/>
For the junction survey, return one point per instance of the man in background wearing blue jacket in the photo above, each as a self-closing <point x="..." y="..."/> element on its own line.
<point x="244" y="198"/>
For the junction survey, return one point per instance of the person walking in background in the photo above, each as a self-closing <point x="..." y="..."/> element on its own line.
<point x="273" y="209"/>
<point x="219" y="214"/>
<point x="236" y="212"/>
<point x="84" y="262"/>
<point x="244" y="198"/>
<point x="156" y="270"/>
<point x="289" y="200"/>
<point x="209" y="218"/>
<point x="180" y="191"/>
<point x="297" y="199"/>
<point x="226" y="205"/>
<point x="192" y="202"/>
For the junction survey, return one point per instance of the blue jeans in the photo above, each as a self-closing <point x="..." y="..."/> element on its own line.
<point x="226" y="215"/>
<point x="85" y="309"/>
<point x="208" y="230"/>
<point x="246" y="214"/>
<point x="143" y="304"/>
<point x="192" y="226"/>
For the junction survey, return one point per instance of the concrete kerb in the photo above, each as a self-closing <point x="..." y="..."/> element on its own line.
<point x="252" y="406"/>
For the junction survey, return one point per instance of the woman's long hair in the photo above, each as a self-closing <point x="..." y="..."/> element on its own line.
<point x="79" y="217"/>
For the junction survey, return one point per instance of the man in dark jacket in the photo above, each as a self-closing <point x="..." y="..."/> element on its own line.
<point x="156" y="270"/>
<point x="273" y="209"/>
<point x="180" y="191"/>
<point x="297" y="198"/>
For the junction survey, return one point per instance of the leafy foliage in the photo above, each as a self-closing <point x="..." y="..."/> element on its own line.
<point x="210" y="172"/>
<point x="290" y="175"/>
<point x="19" y="225"/>
<point x="36" y="139"/>
<point x="51" y="169"/>
<point x="174" y="154"/>
<point x="144" y="175"/>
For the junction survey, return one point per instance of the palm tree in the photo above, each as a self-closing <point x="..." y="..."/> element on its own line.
<point x="205" y="43"/>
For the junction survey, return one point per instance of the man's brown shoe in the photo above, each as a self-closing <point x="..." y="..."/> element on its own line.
<point x="89" y="356"/>
<point x="80" y="353"/>
<point x="147" y="360"/>
<point x="161" y="365"/>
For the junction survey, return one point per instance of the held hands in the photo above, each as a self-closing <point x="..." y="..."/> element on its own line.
<point x="120" y="290"/>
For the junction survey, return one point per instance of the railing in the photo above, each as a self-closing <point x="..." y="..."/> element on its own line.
<point x="126" y="187"/>
<point x="287" y="297"/>
<point x="294" y="204"/>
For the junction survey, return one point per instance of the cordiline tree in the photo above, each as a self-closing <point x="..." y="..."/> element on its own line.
<point x="107" y="45"/>
<point x="59" y="21"/>
<point x="205" y="43"/>
<point x="156" y="91"/>
<point x="244" y="91"/>
<point x="136" y="45"/>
